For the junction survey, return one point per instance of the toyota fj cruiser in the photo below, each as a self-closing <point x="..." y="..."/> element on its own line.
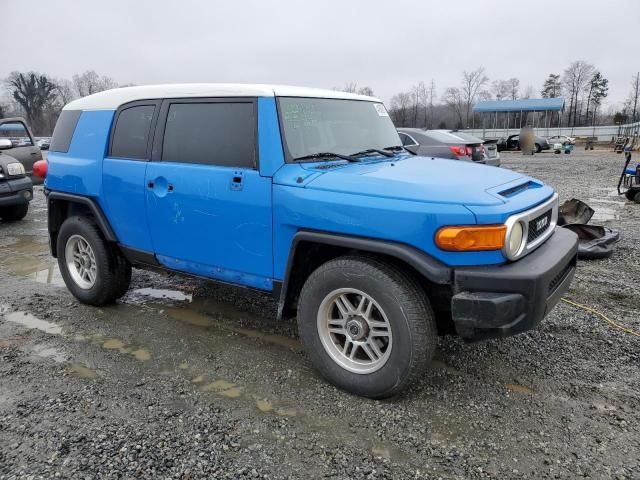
<point x="307" y="194"/>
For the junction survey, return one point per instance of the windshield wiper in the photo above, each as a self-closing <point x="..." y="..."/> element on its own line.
<point x="394" y="148"/>
<point x="326" y="155"/>
<point x="372" y="150"/>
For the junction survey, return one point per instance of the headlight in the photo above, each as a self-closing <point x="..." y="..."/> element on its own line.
<point x="514" y="242"/>
<point x="15" y="169"/>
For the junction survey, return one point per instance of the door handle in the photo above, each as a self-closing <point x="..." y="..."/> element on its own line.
<point x="34" y="153"/>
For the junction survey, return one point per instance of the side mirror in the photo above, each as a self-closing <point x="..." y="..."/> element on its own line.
<point x="5" y="144"/>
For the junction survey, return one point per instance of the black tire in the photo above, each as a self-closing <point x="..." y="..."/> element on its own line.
<point x="113" y="271"/>
<point x="538" y="148"/>
<point x="406" y="305"/>
<point x="14" y="213"/>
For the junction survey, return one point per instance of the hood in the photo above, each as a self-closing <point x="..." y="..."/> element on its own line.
<point x="424" y="179"/>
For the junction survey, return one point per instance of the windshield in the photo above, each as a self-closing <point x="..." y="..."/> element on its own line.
<point x="313" y="125"/>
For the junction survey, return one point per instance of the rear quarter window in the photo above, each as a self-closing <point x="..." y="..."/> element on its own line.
<point x="131" y="133"/>
<point x="63" y="133"/>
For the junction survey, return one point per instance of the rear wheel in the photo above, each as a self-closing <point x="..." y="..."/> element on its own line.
<point x="366" y="325"/>
<point x="14" y="213"/>
<point x="92" y="270"/>
<point x="538" y="148"/>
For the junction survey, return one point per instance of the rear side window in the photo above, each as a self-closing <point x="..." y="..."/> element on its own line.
<point x="63" y="133"/>
<point x="211" y="133"/>
<point x="131" y="133"/>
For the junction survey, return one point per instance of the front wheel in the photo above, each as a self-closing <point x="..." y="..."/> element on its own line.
<point x="14" y="213"/>
<point x="92" y="270"/>
<point x="366" y="325"/>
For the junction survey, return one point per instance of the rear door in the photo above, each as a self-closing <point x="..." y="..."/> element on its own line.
<point x="24" y="149"/>
<point x="208" y="208"/>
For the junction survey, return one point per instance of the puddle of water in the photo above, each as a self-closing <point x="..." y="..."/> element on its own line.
<point x="231" y="393"/>
<point x="264" y="405"/>
<point x="160" y="293"/>
<point x="81" y="371"/>
<point x="27" y="320"/>
<point x="141" y="354"/>
<point x="50" y="352"/>
<point x="29" y="258"/>
<point x="199" y="379"/>
<point x="191" y="317"/>
<point x="183" y="366"/>
<point x="217" y="386"/>
<point x="514" y="387"/>
<point x="113" y="344"/>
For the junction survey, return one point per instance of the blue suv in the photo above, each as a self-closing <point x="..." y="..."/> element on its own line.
<point x="307" y="194"/>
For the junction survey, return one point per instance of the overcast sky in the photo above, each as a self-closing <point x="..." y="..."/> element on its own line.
<point x="387" y="45"/>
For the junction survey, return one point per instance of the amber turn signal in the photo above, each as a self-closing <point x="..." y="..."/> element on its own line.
<point x="471" y="238"/>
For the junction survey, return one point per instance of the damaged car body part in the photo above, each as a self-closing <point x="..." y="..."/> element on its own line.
<point x="307" y="194"/>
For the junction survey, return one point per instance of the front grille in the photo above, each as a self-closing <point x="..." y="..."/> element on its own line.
<point x="557" y="280"/>
<point x="539" y="225"/>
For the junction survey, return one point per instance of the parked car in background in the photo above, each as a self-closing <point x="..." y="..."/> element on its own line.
<point x="44" y="143"/>
<point x="490" y="147"/>
<point x="445" y="144"/>
<point x="23" y="148"/>
<point x="512" y="142"/>
<point x="15" y="187"/>
<point x="563" y="139"/>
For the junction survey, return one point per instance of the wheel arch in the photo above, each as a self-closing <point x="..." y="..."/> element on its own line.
<point x="64" y="205"/>
<point x="310" y="249"/>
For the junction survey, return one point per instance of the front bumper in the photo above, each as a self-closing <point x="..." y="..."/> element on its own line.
<point x="498" y="301"/>
<point x="16" y="191"/>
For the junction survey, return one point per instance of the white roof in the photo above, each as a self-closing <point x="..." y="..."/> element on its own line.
<point x="112" y="99"/>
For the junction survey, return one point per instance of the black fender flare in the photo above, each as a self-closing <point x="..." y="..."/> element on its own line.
<point x="89" y="202"/>
<point x="432" y="269"/>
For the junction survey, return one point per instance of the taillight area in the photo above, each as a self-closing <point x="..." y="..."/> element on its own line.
<point x="468" y="150"/>
<point x="460" y="151"/>
<point x="40" y="168"/>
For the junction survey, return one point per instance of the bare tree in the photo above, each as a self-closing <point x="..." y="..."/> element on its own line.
<point x="456" y="101"/>
<point x="90" y="82"/>
<point x="632" y="100"/>
<point x="65" y="91"/>
<point x="34" y="92"/>
<point x="514" y="88"/>
<point x="368" y="91"/>
<point x="528" y="92"/>
<point x="500" y="89"/>
<point x="419" y="97"/>
<point x="431" y="93"/>
<point x="576" y="78"/>
<point x="400" y="107"/>
<point x="472" y="84"/>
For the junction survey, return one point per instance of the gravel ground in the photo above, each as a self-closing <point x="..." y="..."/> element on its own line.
<point x="184" y="379"/>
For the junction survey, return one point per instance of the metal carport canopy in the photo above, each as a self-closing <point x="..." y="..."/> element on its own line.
<point x="524" y="105"/>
